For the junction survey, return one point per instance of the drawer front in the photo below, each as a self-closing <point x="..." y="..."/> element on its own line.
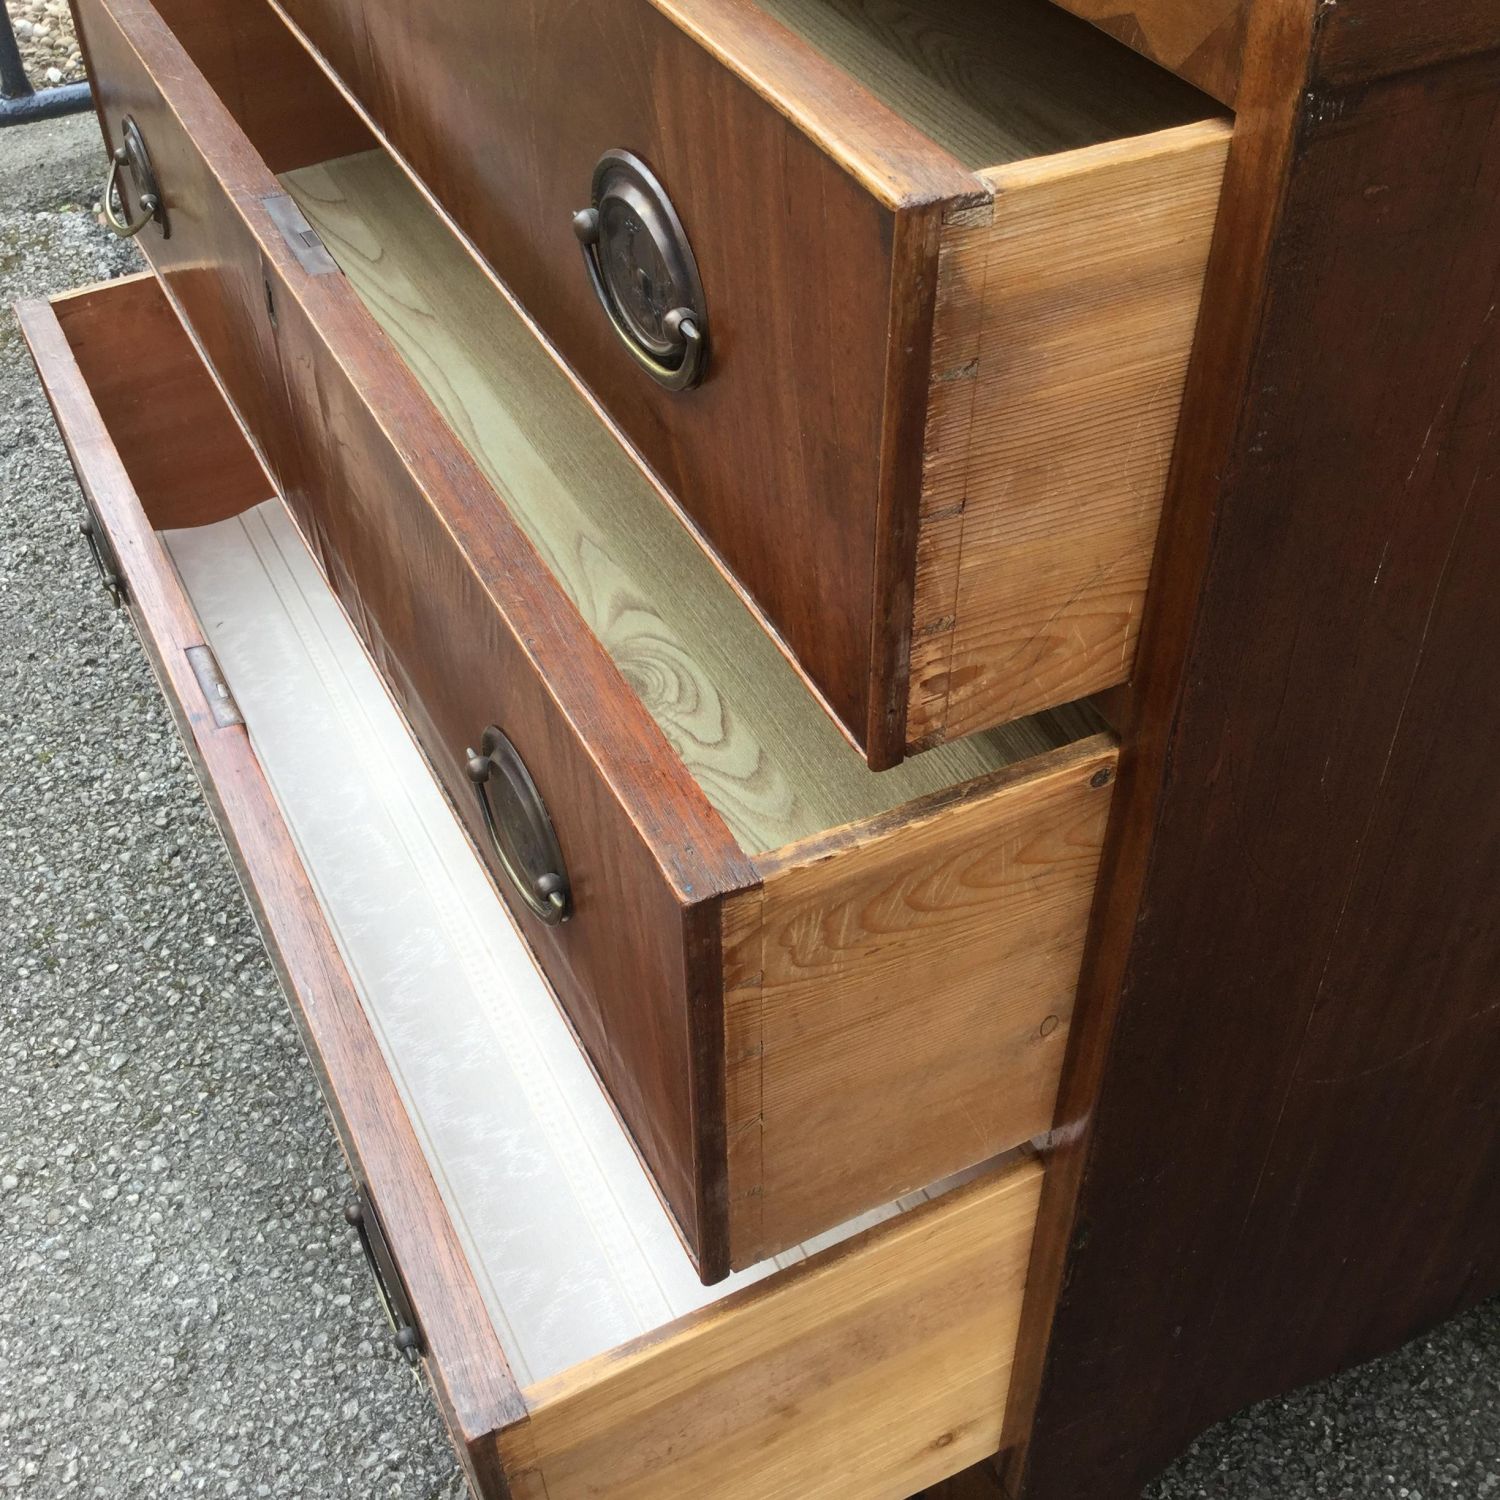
<point x="792" y="454"/>
<point x="466" y="624"/>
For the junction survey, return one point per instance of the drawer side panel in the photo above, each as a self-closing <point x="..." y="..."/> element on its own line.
<point x="1065" y="319"/>
<point x="898" y="999"/>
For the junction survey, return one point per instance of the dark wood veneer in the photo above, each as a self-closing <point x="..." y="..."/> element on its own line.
<point x="1291" y="1015"/>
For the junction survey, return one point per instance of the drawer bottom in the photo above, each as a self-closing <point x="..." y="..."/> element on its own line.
<point x="571" y="1346"/>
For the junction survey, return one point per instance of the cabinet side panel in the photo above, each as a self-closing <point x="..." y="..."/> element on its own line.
<point x="1311" y="834"/>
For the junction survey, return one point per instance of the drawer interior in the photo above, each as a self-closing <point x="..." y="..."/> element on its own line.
<point x="953" y="291"/>
<point x="871" y="1361"/>
<point x="769" y="759"/>
<point x="573" y="1252"/>
<point x="994" y="84"/>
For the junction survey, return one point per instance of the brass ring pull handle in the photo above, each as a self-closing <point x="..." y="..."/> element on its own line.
<point x="520" y="828"/>
<point x="135" y="159"/>
<point x="394" y="1301"/>
<point x="642" y="270"/>
<point x="104" y="557"/>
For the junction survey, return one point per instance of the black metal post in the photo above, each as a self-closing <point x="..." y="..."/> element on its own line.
<point x="19" y="102"/>
<point x="14" y="84"/>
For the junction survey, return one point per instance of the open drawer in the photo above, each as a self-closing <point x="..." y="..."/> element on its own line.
<point x="945" y="258"/>
<point x="521" y="1250"/>
<point x="808" y="988"/>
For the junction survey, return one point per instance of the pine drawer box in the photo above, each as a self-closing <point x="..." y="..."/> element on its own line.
<point x="944" y="260"/>
<point x="523" y="1256"/>
<point x="808" y="988"/>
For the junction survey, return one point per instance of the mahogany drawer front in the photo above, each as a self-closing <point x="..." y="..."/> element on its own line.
<point x="808" y="989"/>
<point x="565" y="1363"/>
<point x="951" y="256"/>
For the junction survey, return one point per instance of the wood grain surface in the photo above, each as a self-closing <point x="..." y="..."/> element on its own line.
<point x="172" y="431"/>
<point x="800" y="460"/>
<point x="901" y="1381"/>
<point x="266" y="81"/>
<point x="466" y="1365"/>
<point x="991" y="85"/>
<point x="872" y="1370"/>
<point x="469" y="625"/>
<point x="1297" y="920"/>
<point x="463" y="619"/>
<point x="1065" y="317"/>
<point x="898" y="996"/>
<point x="841" y="1068"/>
<point x="766" y="756"/>
<point x="777" y="457"/>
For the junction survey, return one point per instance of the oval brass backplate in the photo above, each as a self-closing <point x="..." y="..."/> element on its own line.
<point x="132" y="159"/>
<point x="642" y="270"/>
<point x="520" y="828"/>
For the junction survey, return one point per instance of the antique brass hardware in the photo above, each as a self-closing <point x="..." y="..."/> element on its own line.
<point x="104" y="557"/>
<point x="389" y="1286"/>
<point x="133" y="156"/>
<point x="520" y="827"/>
<point x="642" y="270"/>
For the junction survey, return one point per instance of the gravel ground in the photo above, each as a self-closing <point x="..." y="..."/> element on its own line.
<point x="49" y="49"/>
<point x="184" y="1311"/>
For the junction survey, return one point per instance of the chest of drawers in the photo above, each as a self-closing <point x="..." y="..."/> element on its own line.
<point x="559" y="452"/>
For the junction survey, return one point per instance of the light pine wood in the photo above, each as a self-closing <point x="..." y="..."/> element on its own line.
<point x="876" y="1369"/>
<point x="992" y="83"/>
<point x="1065" y="317"/>
<point x="1200" y="40"/>
<point x="767" y="757"/>
<point x="908" y="987"/>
